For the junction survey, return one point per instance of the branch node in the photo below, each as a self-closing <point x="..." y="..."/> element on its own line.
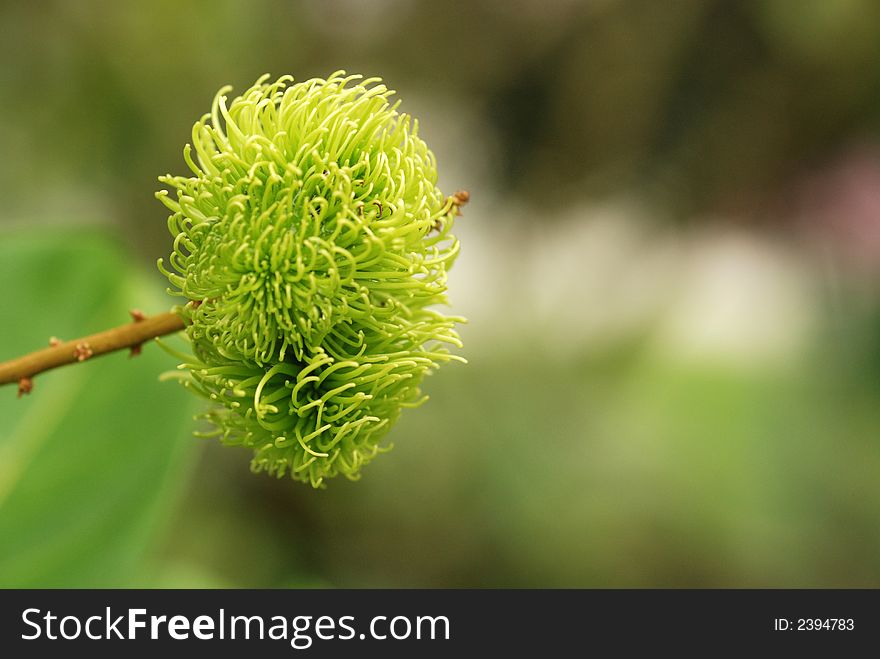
<point x="54" y="341"/>
<point x="137" y="315"/>
<point x="459" y="199"/>
<point x="456" y="200"/>
<point x="25" y="386"/>
<point x="135" y="350"/>
<point x="82" y="351"/>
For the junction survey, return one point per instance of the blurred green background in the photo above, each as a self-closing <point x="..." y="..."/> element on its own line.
<point x="671" y="265"/>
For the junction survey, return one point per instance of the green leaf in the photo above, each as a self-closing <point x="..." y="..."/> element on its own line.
<point x="92" y="461"/>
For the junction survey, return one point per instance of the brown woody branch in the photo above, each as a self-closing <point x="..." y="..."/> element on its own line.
<point x="130" y="336"/>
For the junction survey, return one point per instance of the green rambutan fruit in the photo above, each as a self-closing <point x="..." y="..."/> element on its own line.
<point x="312" y="244"/>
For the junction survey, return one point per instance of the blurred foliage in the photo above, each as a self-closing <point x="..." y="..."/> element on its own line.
<point x="700" y="103"/>
<point x="611" y="471"/>
<point x="88" y="469"/>
<point x="671" y="264"/>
